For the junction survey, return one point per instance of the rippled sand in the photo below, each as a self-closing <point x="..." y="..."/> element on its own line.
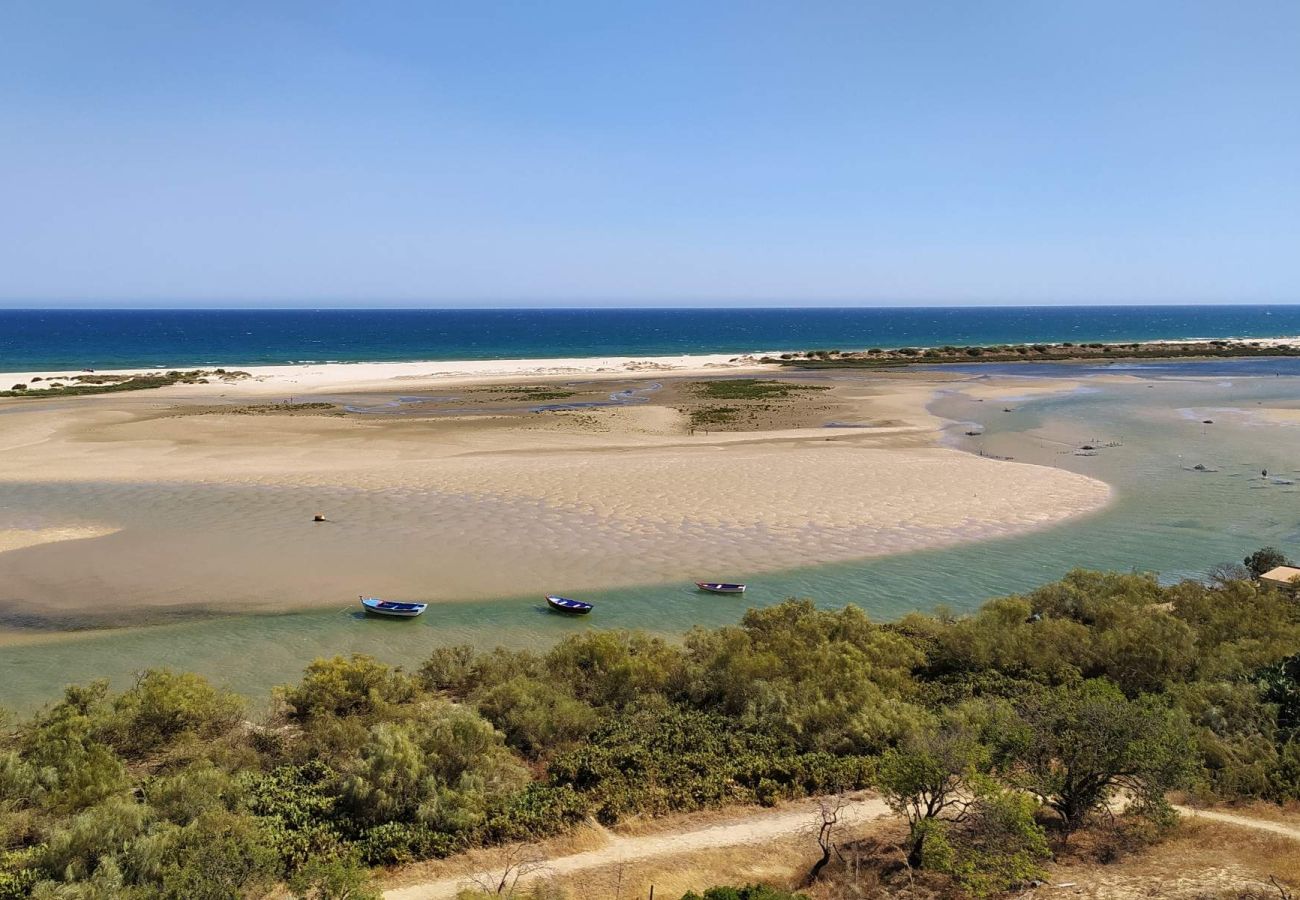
<point x="214" y="512"/>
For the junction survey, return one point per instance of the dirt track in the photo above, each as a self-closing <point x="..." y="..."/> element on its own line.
<point x="752" y="830"/>
<point x="1290" y="831"/>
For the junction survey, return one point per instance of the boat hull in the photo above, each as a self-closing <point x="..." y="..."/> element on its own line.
<point x="720" y="588"/>
<point x="568" y="607"/>
<point x="393" y="610"/>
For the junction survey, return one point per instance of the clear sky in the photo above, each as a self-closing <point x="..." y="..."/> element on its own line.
<point x="582" y="153"/>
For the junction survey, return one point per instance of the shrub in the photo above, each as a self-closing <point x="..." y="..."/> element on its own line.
<point x="995" y="846"/>
<point x="750" y="892"/>
<point x="352" y="686"/>
<point x="163" y="706"/>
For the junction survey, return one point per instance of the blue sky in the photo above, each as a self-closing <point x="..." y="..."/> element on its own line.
<point x="480" y="153"/>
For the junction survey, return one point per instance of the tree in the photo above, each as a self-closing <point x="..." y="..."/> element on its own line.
<point x="994" y="846"/>
<point x="828" y="815"/>
<point x="1264" y="559"/>
<point x="518" y="863"/>
<point x="1224" y="573"/>
<point x="926" y="777"/>
<point x="1077" y="746"/>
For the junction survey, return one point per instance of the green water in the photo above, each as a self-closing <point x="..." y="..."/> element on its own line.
<point x="1165" y="517"/>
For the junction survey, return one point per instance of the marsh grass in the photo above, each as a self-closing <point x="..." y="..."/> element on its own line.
<point x="752" y="389"/>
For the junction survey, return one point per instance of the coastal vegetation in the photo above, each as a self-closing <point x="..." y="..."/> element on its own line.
<point x="746" y="397"/>
<point x="77" y="385"/>
<point x="527" y="393"/>
<point x="1003" y="353"/>
<point x="1000" y="737"/>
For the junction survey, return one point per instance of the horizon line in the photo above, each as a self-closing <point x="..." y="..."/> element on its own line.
<point x="307" y="307"/>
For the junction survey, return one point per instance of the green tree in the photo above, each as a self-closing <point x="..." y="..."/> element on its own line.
<point x="995" y="844"/>
<point x="1078" y="746"/>
<point x="928" y="776"/>
<point x="1264" y="559"/>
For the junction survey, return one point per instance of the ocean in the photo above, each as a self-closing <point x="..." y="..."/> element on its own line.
<point x="107" y="339"/>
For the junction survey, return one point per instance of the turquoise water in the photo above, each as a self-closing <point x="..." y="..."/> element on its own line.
<point x="1166" y="517"/>
<point x="61" y="339"/>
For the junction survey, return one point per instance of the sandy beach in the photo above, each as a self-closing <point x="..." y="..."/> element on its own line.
<point x="450" y="482"/>
<point x="364" y="376"/>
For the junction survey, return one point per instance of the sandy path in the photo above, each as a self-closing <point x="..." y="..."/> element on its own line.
<point x="753" y="830"/>
<point x="1289" y="831"/>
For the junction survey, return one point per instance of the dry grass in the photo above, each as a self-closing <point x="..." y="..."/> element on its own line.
<point x="779" y="863"/>
<point x="1201" y="861"/>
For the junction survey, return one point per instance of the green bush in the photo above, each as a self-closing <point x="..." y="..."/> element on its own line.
<point x="996" y="845"/>
<point x="751" y="892"/>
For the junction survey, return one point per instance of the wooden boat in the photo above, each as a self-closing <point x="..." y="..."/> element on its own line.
<point x="389" y="608"/>
<point x="720" y="587"/>
<point x="565" y="605"/>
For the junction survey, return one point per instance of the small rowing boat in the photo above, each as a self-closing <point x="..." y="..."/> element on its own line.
<point x="565" y="605"/>
<point x="389" y="608"/>
<point x="720" y="587"/>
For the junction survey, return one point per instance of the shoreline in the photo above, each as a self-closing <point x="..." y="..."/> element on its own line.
<point x="362" y="375"/>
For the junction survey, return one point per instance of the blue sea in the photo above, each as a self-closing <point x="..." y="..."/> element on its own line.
<point x="105" y="339"/>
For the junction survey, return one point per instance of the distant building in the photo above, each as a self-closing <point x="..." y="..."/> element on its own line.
<point x="1285" y="577"/>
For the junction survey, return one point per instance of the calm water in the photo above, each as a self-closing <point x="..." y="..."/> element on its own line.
<point x="1166" y="517"/>
<point x="105" y="339"/>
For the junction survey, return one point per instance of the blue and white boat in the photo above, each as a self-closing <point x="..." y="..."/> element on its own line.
<point x="565" y="605"/>
<point x="720" y="587"/>
<point x="390" y="608"/>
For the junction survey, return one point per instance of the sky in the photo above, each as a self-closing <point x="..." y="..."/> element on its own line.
<point x="678" y="153"/>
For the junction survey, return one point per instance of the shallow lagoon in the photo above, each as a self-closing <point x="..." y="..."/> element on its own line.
<point x="1166" y="517"/>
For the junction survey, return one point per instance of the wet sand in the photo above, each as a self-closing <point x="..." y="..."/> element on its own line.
<point x="197" y="500"/>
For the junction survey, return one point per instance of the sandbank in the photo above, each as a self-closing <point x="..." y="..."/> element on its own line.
<point x="212" y="511"/>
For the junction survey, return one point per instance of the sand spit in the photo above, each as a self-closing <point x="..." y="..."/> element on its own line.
<point x="312" y="378"/>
